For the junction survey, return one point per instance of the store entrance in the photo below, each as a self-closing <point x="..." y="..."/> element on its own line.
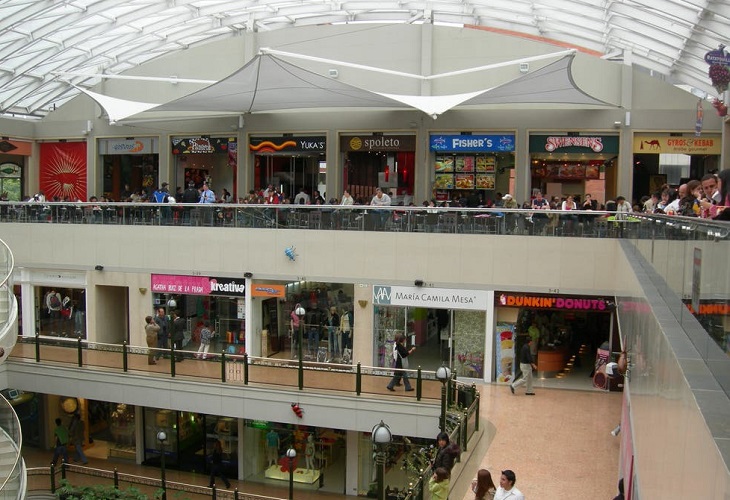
<point x="289" y="173"/>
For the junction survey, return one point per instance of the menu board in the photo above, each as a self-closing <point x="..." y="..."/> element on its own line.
<point x="572" y="171"/>
<point x="486" y="163"/>
<point x="464" y="163"/>
<point x="464" y="181"/>
<point x="444" y="164"/>
<point x="443" y="181"/>
<point x="593" y="171"/>
<point x="484" y="181"/>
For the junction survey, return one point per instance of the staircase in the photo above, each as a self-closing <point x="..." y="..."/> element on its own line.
<point x="12" y="467"/>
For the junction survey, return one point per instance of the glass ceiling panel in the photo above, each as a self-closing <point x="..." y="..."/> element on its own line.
<point x="670" y="37"/>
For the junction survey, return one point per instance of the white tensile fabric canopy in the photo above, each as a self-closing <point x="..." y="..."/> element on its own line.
<point x="268" y="83"/>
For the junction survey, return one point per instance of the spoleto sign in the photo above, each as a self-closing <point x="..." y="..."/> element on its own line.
<point x="435" y="298"/>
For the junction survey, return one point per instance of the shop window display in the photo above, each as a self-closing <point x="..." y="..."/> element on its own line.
<point x="185" y="446"/>
<point x="61" y="312"/>
<point x="112" y="425"/>
<point x="327" y="323"/>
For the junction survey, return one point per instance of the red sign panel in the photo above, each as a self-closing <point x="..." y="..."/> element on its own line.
<point x="63" y="170"/>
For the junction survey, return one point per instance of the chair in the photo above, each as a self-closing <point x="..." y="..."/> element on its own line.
<point x="315" y="220"/>
<point x="448" y="223"/>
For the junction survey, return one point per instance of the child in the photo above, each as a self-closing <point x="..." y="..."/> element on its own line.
<point x="205" y="335"/>
<point x="438" y="485"/>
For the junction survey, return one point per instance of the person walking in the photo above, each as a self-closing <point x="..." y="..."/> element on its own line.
<point x="206" y="334"/>
<point x="151" y="329"/>
<point x="76" y="429"/>
<point x="216" y="465"/>
<point x="483" y="486"/>
<point x="526" y="366"/>
<point x="507" y="489"/>
<point x="61" y="435"/>
<point x="400" y="355"/>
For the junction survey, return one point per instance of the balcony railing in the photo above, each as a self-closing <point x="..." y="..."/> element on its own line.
<point x="576" y="223"/>
<point x="231" y="369"/>
<point x="8" y="303"/>
<point x="12" y="476"/>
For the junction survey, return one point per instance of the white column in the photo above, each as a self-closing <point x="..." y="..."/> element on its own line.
<point x="352" y="462"/>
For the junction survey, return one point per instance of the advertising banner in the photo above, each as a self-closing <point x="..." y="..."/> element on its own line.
<point x="708" y="144"/>
<point x="504" y="353"/>
<point x="62" y="170"/>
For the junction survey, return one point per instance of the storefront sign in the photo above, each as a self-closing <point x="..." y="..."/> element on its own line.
<point x="317" y="144"/>
<point x="708" y="144"/>
<point x="188" y="285"/>
<point x="206" y="145"/>
<point x="720" y="308"/>
<point x="552" y="302"/>
<point x="435" y="298"/>
<point x="267" y="290"/>
<point x="198" y="285"/>
<point x="10" y="147"/>
<point x="143" y="146"/>
<point x="378" y="143"/>
<point x="64" y="278"/>
<point x="472" y="143"/>
<point x="574" y="143"/>
<point x="231" y="287"/>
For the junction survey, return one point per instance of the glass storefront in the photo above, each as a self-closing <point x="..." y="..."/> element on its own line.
<point x="469" y="169"/>
<point x="453" y="336"/>
<point x="112" y="425"/>
<point x="575" y="165"/>
<point x="213" y="160"/>
<point x="289" y="163"/>
<point x="60" y="311"/>
<point x="129" y="165"/>
<point x="379" y="160"/>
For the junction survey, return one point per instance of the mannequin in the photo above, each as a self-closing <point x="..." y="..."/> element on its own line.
<point x="309" y="453"/>
<point x="272" y="447"/>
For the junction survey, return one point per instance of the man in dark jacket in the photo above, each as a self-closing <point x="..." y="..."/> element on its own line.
<point x="178" y="334"/>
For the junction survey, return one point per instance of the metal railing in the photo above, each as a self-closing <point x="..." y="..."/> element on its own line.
<point x="8" y="302"/>
<point x="235" y="369"/>
<point x="56" y="479"/>
<point x="13" y="478"/>
<point x="576" y="223"/>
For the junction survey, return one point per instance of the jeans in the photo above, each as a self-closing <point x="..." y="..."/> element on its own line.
<point x="334" y="340"/>
<point x="313" y="339"/>
<point x="58" y="451"/>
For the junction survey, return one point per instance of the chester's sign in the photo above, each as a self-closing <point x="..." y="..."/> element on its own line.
<point x="548" y="302"/>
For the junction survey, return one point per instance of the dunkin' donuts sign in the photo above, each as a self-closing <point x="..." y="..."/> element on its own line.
<point x="553" y="302"/>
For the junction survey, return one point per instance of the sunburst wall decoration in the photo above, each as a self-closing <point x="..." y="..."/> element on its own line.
<point x="63" y="170"/>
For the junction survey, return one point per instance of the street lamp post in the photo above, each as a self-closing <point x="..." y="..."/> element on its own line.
<point x="291" y="454"/>
<point x="162" y="437"/>
<point x="381" y="437"/>
<point x="300" y="312"/>
<point x="443" y="374"/>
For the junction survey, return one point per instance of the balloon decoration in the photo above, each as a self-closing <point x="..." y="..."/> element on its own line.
<point x="290" y="253"/>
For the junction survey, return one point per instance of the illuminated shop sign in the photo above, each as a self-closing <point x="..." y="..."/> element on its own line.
<point x="197" y="145"/>
<point x="574" y="144"/>
<point x="378" y="143"/>
<point x="555" y="302"/>
<point x="316" y="144"/>
<point x="141" y="146"/>
<point x="198" y="285"/>
<point x="711" y="308"/>
<point x="267" y="290"/>
<point x="434" y="298"/>
<point x="708" y="144"/>
<point x="472" y="143"/>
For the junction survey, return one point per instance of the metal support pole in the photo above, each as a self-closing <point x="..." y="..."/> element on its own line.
<point x="245" y="369"/>
<point x="223" y="367"/>
<point x="299" y="352"/>
<point x="80" y="360"/>
<point x="380" y="469"/>
<point x="442" y="423"/>
<point x="162" y="472"/>
<point x="358" y="379"/>
<point x="291" y="479"/>
<point x="125" y="356"/>
<point x="37" y="348"/>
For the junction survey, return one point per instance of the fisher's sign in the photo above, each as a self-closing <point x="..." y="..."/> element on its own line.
<point x="435" y="298"/>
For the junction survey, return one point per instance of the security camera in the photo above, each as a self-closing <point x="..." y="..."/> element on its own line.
<point x="616" y="431"/>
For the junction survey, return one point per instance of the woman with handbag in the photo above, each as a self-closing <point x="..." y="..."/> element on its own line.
<point x="400" y="355"/>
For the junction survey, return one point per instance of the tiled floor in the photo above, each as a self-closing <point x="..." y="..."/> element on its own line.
<point x="558" y="443"/>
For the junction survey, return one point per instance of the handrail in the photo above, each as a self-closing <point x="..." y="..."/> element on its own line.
<point x="117" y="477"/>
<point x="495" y="220"/>
<point x="75" y="348"/>
<point x="16" y="436"/>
